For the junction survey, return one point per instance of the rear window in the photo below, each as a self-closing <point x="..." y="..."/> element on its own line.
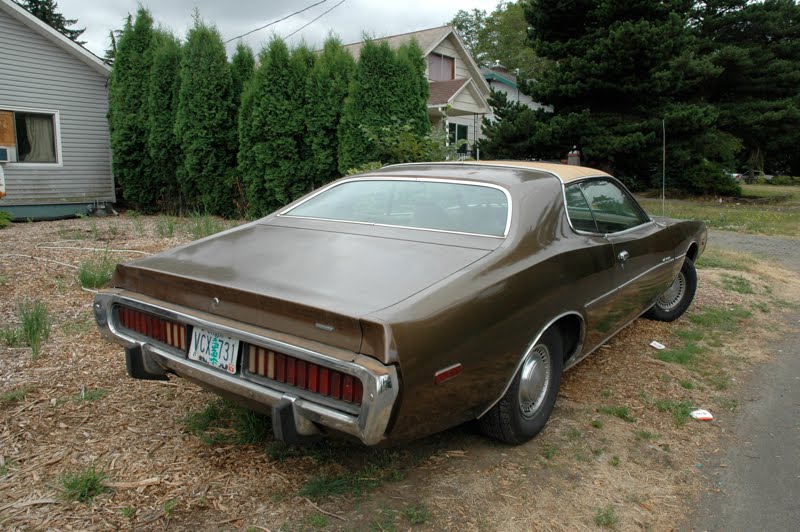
<point x="439" y="206"/>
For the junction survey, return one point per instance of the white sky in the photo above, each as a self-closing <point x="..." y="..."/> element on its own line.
<point x="349" y="21"/>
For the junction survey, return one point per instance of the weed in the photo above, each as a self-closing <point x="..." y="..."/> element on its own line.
<point x="318" y="521"/>
<point x="203" y="225"/>
<point x="664" y="378"/>
<point x="606" y="517"/>
<point x="84" y="485"/>
<point x="3" y="280"/>
<point x="11" y="336"/>
<point x="737" y="283"/>
<point x="165" y="226"/>
<point x="4" y="469"/>
<point x="597" y="423"/>
<point x="90" y="394"/>
<point x="686" y="355"/>
<point x="71" y="234"/>
<point x="385" y="521"/>
<point x="113" y="231"/>
<point x="370" y="477"/>
<point x="128" y="512"/>
<point x="223" y="422"/>
<point x="606" y="392"/>
<point x="580" y="457"/>
<point x="94" y="231"/>
<point x="5" y="219"/>
<point x="417" y="514"/>
<point x="687" y="385"/>
<point x="763" y="307"/>
<point x="622" y="412"/>
<point x="614" y="461"/>
<point x="643" y="435"/>
<point x="326" y="486"/>
<point x="598" y="452"/>
<point x="96" y="272"/>
<point x="574" y="434"/>
<point x="550" y="451"/>
<point x="679" y="409"/>
<point x="35" y="324"/>
<point x="169" y="506"/>
<point x="77" y="328"/>
<point x="16" y="395"/>
<point x="719" y="380"/>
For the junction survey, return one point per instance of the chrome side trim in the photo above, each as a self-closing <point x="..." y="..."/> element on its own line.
<point x="380" y="382"/>
<point x="530" y="348"/>
<point x="286" y="211"/>
<point x="629" y="281"/>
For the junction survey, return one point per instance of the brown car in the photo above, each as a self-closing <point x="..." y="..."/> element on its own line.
<point x="399" y="303"/>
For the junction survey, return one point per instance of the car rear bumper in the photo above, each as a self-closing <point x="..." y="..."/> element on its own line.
<point x="367" y="422"/>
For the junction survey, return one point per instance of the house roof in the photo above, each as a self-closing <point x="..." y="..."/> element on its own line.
<point x="429" y="39"/>
<point x="443" y="91"/>
<point x="502" y="77"/>
<point x="71" y="47"/>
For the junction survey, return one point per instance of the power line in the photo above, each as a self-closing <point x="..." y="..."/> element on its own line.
<point x="279" y="20"/>
<point x="316" y="19"/>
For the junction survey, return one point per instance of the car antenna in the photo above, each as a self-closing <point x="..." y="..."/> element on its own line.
<point x="663" y="165"/>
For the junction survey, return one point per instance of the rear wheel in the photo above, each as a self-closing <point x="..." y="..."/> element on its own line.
<point x="526" y="406"/>
<point x="676" y="299"/>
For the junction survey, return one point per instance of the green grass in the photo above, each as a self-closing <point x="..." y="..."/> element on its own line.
<point x="35" y="324"/>
<point x="574" y="434"/>
<point x="679" y="409"/>
<point x="606" y="517"/>
<point x="381" y="466"/>
<point x="96" y="272"/>
<point x="614" y="461"/>
<point x="737" y="283"/>
<point x="687" y="384"/>
<point x="3" y="280"/>
<point x="685" y="355"/>
<point x="317" y="521"/>
<point x="790" y="193"/>
<point x="727" y="260"/>
<point x="417" y="514"/>
<point x="169" y="507"/>
<point x="90" y="394"/>
<point x="128" y="512"/>
<point x="223" y="422"/>
<point x="597" y="423"/>
<point x="84" y="485"/>
<point x="165" y="226"/>
<point x="16" y="395"/>
<point x="773" y="219"/>
<point x="11" y="336"/>
<point x="550" y="451"/>
<point x="202" y="225"/>
<point x="643" y="435"/>
<point x="622" y="412"/>
<point x="5" y="219"/>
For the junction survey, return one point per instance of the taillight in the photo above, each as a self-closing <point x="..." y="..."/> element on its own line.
<point x="303" y="374"/>
<point x="159" y="329"/>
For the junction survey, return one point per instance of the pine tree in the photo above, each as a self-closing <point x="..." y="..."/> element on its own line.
<point x="204" y="124"/>
<point x="326" y="89"/>
<point x="414" y="72"/>
<point x="243" y="65"/>
<point x="272" y="129"/>
<point x="47" y="12"/>
<point x="162" y="106"/>
<point x="128" y="119"/>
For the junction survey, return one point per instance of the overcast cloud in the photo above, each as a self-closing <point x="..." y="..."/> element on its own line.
<point x="349" y="21"/>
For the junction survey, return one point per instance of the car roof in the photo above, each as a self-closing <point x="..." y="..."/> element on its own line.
<point x="487" y="171"/>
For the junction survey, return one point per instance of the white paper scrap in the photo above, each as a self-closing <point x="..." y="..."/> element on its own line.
<point x="657" y="345"/>
<point x="702" y="415"/>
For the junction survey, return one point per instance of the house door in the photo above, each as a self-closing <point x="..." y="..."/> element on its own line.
<point x="459" y="132"/>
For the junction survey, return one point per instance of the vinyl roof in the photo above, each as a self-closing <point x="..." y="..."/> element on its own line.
<point x="564" y="172"/>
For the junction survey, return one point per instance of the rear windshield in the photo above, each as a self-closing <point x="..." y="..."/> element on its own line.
<point x="441" y="206"/>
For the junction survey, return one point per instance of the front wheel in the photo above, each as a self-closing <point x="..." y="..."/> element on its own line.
<point x="527" y="404"/>
<point x="676" y="299"/>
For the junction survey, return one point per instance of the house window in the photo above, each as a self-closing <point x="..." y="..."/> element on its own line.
<point x="36" y="137"/>
<point x="441" y="67"/>
<point x="459" y="132"/>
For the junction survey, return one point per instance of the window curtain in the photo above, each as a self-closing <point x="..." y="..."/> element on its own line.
<point x="41" y="139"/>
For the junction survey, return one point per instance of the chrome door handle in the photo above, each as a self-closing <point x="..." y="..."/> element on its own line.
<point x="623" y="256"/>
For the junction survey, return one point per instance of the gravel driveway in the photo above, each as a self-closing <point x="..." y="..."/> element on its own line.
<point x="784" y="251"/>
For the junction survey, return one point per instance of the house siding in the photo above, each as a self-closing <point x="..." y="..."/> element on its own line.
<point x="447" y="48"/>
<point x="38" y="74"/>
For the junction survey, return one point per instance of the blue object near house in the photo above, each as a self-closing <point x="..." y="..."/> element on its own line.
<point x="53" y="126"/>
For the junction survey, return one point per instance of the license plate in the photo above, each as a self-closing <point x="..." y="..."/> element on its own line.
<point x="214" y="349"/>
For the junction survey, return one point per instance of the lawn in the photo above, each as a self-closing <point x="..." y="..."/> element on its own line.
<point x="764" y="210"/>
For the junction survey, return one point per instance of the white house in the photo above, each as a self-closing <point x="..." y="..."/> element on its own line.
<point x="54" y="140"/>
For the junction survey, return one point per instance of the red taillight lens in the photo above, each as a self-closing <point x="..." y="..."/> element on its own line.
<point x="159" y="329"/>
<point x="303" y="374"/>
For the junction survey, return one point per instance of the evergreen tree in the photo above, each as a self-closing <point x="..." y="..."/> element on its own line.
<point x="128" y="119"/>
<point x="385" y="91"/>
<point x="414" y="72"/>
<point x="326" y="90"/>
<point x="243" y="65"/>
<point x="204" y="124"/>
<point x="162" y="106"/>
<point x="47" y="12"/>
<point x="272" y="129"/>
<point x="619" y="69"/>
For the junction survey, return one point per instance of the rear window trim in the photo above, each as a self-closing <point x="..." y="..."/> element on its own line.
<point x="286" y="212"/>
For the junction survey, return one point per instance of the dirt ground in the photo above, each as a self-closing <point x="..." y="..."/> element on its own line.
<point x="589" y="468"/>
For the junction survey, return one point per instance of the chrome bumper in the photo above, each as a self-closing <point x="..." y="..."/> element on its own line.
<point x="367" y="422"/>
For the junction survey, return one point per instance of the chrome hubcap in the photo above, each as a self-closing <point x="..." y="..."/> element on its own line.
<point x="534" y="381"/>
<point x="670" y="299"/>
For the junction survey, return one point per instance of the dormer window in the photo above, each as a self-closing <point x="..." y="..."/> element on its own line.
<point x="441" y="67"/>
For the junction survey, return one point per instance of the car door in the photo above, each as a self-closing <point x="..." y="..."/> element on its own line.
<point x="643" y="261"/>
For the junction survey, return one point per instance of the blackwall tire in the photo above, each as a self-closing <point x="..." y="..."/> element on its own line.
<point x="525" y="408"/>
<point x="676" y="300"/>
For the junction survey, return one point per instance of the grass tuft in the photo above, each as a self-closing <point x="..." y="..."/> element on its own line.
<point x="737" y="283"/>
<point x="622" y="412"/>
<point x="165" y="226"/>
<point x="96" y="272"/>
<point x="34" y="327"/>
<point x="83" y="485"/>
<point x="224" y="422"/>
<point x="417" y="514"/>
<point x="16" y="395"/>
<point x="90" y="394"/>
<point x="680" y="409"/>
<point x="203" y="225"/>
<point x="606" y="517"/>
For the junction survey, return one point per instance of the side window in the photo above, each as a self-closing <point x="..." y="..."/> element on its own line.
<point x="580" y="215"/>
<point x="613" y="209"/>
